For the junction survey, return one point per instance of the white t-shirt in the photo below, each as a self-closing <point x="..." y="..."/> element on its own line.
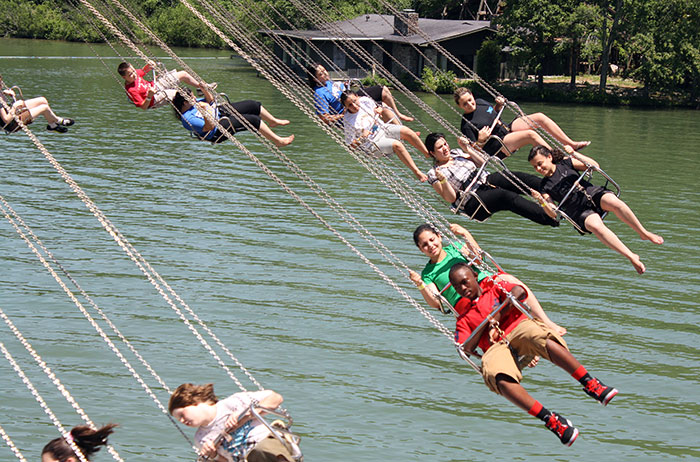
<point x="364" y="119"/>
<point x="250" y="433"/>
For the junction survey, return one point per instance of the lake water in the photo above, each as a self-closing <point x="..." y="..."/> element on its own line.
<point x="365" y="376"/>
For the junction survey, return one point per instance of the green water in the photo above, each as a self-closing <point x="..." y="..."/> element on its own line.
<point x="363" y="373"/>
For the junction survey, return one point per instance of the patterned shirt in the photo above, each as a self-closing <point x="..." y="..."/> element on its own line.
<point x="459" y="172"/>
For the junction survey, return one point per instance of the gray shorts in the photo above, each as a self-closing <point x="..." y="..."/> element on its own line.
<point x="385" y="137"/>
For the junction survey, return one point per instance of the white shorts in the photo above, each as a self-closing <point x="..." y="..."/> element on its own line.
<point x="383" y="141"/>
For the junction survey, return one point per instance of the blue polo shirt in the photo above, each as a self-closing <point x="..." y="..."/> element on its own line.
<point x="193" y="120"/>
<point x="327" y="98"/>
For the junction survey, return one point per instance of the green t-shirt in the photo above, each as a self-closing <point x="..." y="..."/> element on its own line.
<point x="439" y="273"/>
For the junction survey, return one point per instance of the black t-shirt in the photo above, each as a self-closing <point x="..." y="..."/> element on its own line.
<point x="483" y="116"/>
<point x="561" y="182"/>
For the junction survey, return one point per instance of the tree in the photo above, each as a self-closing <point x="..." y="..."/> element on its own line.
<point x="531" y="28"/>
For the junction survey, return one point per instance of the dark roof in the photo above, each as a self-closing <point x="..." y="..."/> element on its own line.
<point x="381" y="27"/>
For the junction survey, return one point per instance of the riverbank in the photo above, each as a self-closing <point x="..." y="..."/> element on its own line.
<point x="586" y="92"/>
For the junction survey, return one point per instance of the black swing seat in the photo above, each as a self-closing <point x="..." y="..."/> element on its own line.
<point x="279" y="428"/>
<point x="587" y="175"/>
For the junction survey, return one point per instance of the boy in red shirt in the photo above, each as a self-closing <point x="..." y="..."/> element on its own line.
<point x="508" y="334"/>
<point x="146" y="94"/>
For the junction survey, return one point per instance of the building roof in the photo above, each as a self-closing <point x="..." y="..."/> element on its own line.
<point x="381" y="27"/>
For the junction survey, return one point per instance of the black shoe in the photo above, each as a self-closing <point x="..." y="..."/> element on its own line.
<point x="57" y="128"/>
<point x="563" y="428"/>
<point x="595" y="389"/>
<point x="66" y="122"/>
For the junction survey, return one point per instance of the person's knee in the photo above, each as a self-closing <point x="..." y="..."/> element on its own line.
<point x="398" y="147"/>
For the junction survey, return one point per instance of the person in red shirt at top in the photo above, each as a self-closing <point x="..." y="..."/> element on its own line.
<point x="508" y="334"/>
<point x="146" y="94"/>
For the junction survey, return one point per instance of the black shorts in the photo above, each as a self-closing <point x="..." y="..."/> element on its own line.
<point x="374" y="92"/>
<point x="579" y="216"/>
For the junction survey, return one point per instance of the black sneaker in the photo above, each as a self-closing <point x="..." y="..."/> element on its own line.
<point x="57" y="128"/>
<point x="595" y="389"/>
<point x="563" y="428"/>
<point x="66" y="122"/>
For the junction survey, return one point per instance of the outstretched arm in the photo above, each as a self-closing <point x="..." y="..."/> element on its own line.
<point x="470" y="242"/>
<point x="428" y="291"/>
<point x="579" y="161"/>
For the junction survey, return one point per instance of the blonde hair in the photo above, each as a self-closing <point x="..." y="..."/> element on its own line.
<point x="461" y="91"/>
<point x="189" y="394"/>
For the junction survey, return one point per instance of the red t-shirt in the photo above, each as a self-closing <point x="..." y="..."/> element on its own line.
<point x="472" y="312"/>
<point x="138" y="89"/>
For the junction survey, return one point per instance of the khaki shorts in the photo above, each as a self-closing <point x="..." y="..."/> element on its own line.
<point x="528" y="338"/>
<point x="270" y="450"/>
<point x="165" y="87"/>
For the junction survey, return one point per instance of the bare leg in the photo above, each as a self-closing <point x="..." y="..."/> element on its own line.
<point x="516" y="140"/>
<point x="270" y="119"/>
<point x="270" y="135"/>
<point x="613" y="204"/>
<point x="412" y="137"/>
<point x="40" y="106"/>
<point x="184" y="77"/>
<point x="406" y="158"/>
<point x="388" y="99"/>
<point x="595" y="225"/>
<point x="389" y="117"/>
<point x="550" y="126"/>
<point x="561" y="357"/>
<point x="533" y="303"/>
<point x="514" y="392"/>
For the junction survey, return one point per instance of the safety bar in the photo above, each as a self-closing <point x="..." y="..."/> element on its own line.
<point x="254" y="410"/>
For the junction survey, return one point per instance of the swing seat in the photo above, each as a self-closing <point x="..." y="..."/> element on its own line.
<point x="522" y="360"/>
<point x="21" y="112"/>
<point x="587" y="175"/>
<point x="279" y="428"/>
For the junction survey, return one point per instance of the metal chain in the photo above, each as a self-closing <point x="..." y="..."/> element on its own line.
<point x="94" y="324"/>
<point x="49" y="373"/>
<point x="11" y="445"/>
<point x="42" y="403"/>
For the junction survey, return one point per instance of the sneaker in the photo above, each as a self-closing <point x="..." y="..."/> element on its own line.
<point x="563" y="428"/>
<point x="66" y="122"/>
<point x="595" y="389"/>
<point x="57" y="128"/>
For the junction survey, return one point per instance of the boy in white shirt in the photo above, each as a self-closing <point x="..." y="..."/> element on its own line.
<point x="365" y="129"/>
<point x="197" y="406"/>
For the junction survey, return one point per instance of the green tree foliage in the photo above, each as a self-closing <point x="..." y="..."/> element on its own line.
<point x="531" y="28"/>
<point x="488" y="60"/>
<point x="665" y="43"/>
<point x="439" y="82"/>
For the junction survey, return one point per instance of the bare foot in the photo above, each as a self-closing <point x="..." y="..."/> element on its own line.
<point x="405" y="118"/>
<point x="278" y="122"/>
<point x="284" y="141"/>
<point x="580" y="145"/>
<point x="637" y="263"/>
<point x="655" y="238"/>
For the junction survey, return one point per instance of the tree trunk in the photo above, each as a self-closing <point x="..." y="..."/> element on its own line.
<point x="607" y="45"/>
<point x="573" y="63"/>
